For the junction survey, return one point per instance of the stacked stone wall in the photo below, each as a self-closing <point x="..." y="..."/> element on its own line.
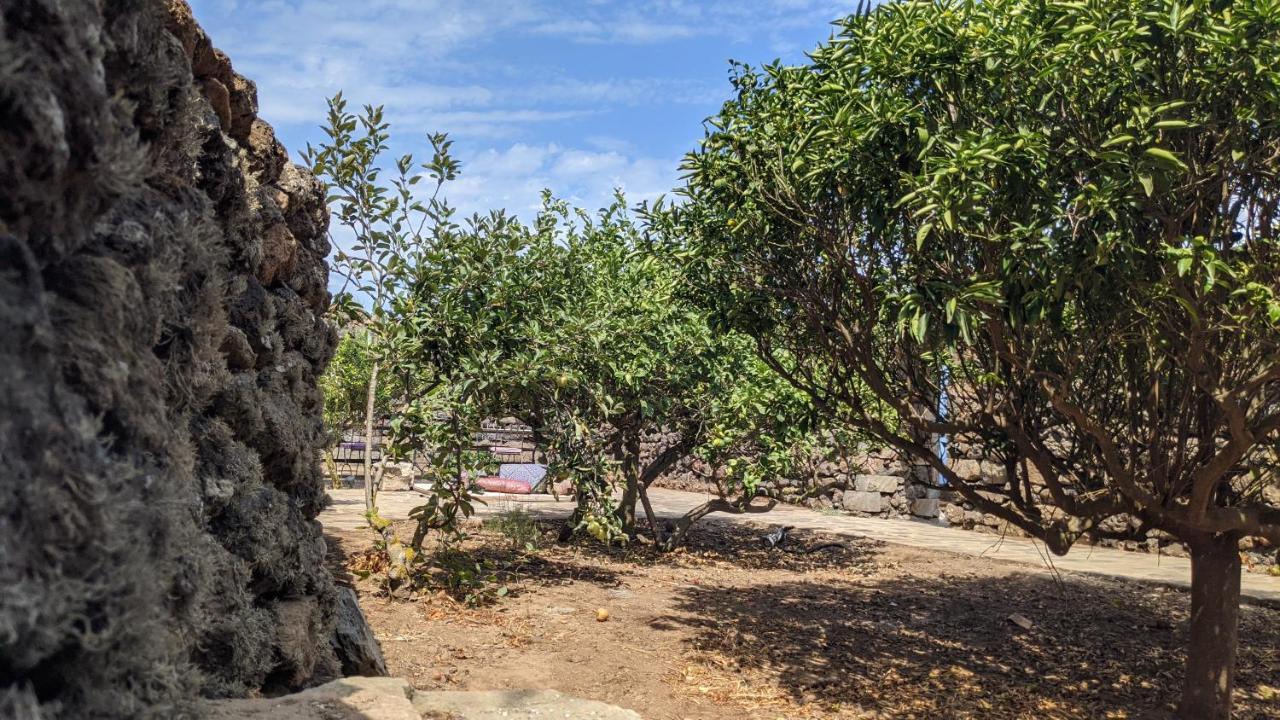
<point x="162" y="289"/>
<point x="878" y="483"/>
<point x="1121" y="531"/>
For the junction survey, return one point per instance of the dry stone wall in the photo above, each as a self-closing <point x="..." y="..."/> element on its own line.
<point x="876" y="483"/>
<point x="162" y="285"/>
<point x="1121" y="531"/>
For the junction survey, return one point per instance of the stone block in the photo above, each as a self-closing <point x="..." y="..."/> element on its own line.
<point x="501" y="704"/>
<point x="868" y="502"/>
<point x="992" y="473"/>
<point x="896" y="467"/>
<point x="921" y="474"/>
<point x="979" y="471"/>
<point x="877" y="483"/>
<point x="399" y="476"/>
<point x="968" y="470"/>
<point x="352" y="698"/>
<point x="925" y="507"/>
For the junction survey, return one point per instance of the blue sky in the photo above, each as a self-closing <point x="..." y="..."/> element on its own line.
<point x="578" y="96"/>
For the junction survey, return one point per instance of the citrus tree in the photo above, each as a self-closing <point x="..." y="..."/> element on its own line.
<point x="630" y="358"/>
<point x="382" y="230"/>
<point x="1047" y="228"/>
<point x="578" y="324"/>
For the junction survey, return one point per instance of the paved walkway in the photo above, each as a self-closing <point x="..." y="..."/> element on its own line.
<point x="349" y="505"/>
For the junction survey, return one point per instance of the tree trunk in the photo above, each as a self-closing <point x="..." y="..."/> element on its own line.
<point x="631" y="488"/>
<point x="658" y="537"/>
<point x="711" y="506"/>
<point x="1215" y="612"/>
<point x="331" y="467"/>
<point x="369" y="408"/>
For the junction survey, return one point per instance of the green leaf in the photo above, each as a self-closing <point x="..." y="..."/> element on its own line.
<point x="1166" y="158"/>
<point x="923" y="233"/>
<point x="1118" y="140"/>
<point x="920" y="326"/>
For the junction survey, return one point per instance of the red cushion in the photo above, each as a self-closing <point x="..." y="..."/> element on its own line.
<point x="504" y="485"/>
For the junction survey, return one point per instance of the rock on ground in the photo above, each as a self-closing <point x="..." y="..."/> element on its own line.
<point x="357" y="698"/>
<point x="395" y="699"/>
<point x="514" y="705"/>
<point x="353" y="639"/>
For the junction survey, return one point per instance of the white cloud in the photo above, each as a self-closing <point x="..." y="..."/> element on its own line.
<point x="447" y="65"/>
<point x="515" y="176"/>
<point x="658" y="21"/>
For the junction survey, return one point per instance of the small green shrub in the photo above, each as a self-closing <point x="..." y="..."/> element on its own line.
<point x="517" y="526"/>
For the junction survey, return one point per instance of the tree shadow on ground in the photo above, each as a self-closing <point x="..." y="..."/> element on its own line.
<point x="945" y="647"/>
<point x="738" y="546"/>
<point x="585" y="560"/>
<point x="507" y="563"/>
<point x="545" y="570"/>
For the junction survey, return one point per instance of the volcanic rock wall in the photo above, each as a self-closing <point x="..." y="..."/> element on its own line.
<point x="162" y="284"/>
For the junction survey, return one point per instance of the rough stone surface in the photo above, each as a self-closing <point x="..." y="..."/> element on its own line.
<point x="925" y="507"/>
<point x="515" y="705"/>
<point x="356" y="698"/>
<point x="159" y="417"/>
<point x="353" y="639"/>
<point x="384" y="698"/>
<point x="399" y="476"/>
<point x="867" y="502"/>
<point x="877" y="483"/>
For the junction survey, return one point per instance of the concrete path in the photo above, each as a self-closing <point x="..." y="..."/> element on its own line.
<point x="1145" y="567"/>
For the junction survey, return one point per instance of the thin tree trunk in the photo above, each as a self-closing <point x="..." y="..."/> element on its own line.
<point x="370" y="496"/>
<point x="331" y="467"/>
<point x="631" y="488"/>
<point x="464" y="483"/>
<point x="1215" y="614"/>
<point x="397" y="558"/>
<point x="658" y="537"/>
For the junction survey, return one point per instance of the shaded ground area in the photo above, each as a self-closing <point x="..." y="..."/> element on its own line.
<point x="348" y="506"/>
<point x="729" y="629"/>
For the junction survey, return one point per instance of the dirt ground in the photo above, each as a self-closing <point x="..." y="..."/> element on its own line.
<point x="729" y="629"/>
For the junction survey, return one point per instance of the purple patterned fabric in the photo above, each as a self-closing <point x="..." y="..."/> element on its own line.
<point x="531" y="473"/>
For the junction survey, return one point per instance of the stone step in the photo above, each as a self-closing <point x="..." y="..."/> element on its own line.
<point x="353" y="698"/>
<point x="385" y="698"/>
<point x="514" y="705"/>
